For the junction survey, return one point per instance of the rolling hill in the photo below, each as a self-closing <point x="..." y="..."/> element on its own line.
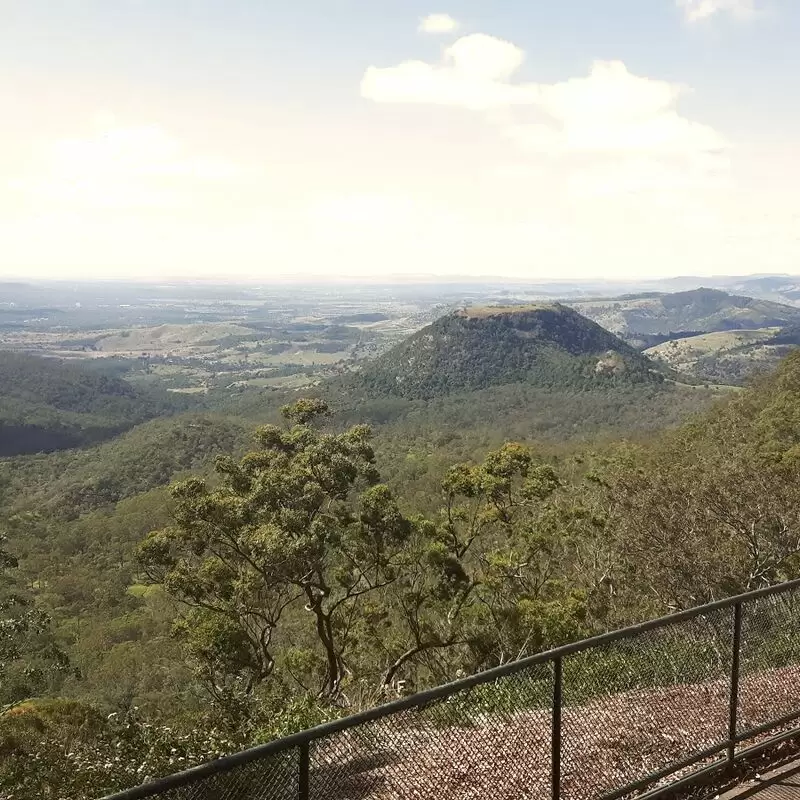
<point x="646" y="319"/>
<point x="476" y="348"/>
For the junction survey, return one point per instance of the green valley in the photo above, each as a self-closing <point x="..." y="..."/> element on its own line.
<point x="480" y="488"/>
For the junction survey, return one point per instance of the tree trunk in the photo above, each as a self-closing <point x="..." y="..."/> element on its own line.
<point x="334" y="671"/>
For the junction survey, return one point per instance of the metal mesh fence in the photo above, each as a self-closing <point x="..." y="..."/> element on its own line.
<point x="489" y="740"/>
<point x="769" y="685"/>
<point x="637" y="705"/>
<point x="273" y="778"/>
<point x="626" y="712"/>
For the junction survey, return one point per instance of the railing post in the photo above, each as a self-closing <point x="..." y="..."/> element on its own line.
<point x="305" y="758"/>
<point x="734" y="690"/>
<point x="555" y="741"/>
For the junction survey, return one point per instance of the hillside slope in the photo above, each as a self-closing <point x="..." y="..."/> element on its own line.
<point x="141" y="459"/>
<point x="476" y="348"/>
<point x="696" y="311"/>
<point x="731" y="357"/>
<point x="48" y="405"/>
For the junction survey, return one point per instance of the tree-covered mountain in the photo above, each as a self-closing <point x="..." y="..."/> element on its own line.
<point x="47" y="405"/>
<point x="476" y="348"/>
<point x="654" y="314"/>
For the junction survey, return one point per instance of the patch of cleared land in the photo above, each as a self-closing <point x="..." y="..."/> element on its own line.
<point x="284" y="382"/>
<point x="193" y="358"/>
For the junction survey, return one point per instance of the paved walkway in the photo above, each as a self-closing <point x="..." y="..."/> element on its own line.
<point x="780" y="784"/>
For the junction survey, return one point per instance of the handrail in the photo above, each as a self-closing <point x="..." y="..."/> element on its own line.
<point x="556" y="656"/>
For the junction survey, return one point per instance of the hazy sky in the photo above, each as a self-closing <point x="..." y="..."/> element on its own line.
<point x="537" y="138"/>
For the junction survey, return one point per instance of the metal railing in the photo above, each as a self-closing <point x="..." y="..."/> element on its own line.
<point x="637" y="712"/>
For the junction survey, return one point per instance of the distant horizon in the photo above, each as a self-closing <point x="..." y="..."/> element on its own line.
<point x="389" y="280"/>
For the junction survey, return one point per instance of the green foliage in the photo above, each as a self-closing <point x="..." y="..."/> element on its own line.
<point x="301" y="568"/>
<point x="60" y="749"/>
<point x="27" y="654"/>
<point x="299" y="524"/>
<point x="712" y="507"/>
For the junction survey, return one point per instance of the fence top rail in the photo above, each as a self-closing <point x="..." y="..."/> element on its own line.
<point x="423" y="698"/>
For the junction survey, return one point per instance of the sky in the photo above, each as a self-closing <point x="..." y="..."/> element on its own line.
<point x="541" y="139"/>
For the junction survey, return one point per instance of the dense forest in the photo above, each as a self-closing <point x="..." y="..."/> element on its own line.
<point x="260" y="562"/>
<point x="48" y="405"/>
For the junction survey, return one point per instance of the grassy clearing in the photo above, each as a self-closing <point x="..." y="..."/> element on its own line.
<point x="170" y="337"/>
<point x="481" y="312"/>
<point x="284" y="382"/>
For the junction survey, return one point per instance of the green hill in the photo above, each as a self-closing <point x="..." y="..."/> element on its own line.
<point x="47" y="405"/>
<point x="476" y="348"/>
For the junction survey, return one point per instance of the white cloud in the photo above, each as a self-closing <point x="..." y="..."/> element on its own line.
<point x="614" y="111"/>
<point x="610" y="92"/>
<point x="437" y="23"/>
<point x="474" y="73"/>
<point x="698" y="10"/>
<point x="481" y="57"/>
<point x="611" y="150"/>
<point x="609" y="111"/>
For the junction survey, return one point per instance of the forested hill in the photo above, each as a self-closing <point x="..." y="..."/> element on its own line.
<point x="48" y="405"/>
<point x="475" y="348"/>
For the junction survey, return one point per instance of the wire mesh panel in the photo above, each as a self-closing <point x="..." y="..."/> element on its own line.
<point x="274" y="777"/>
<point x="769" y="686"/>
<point x="637" y="705"/>
<point x="489" y="741"/>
